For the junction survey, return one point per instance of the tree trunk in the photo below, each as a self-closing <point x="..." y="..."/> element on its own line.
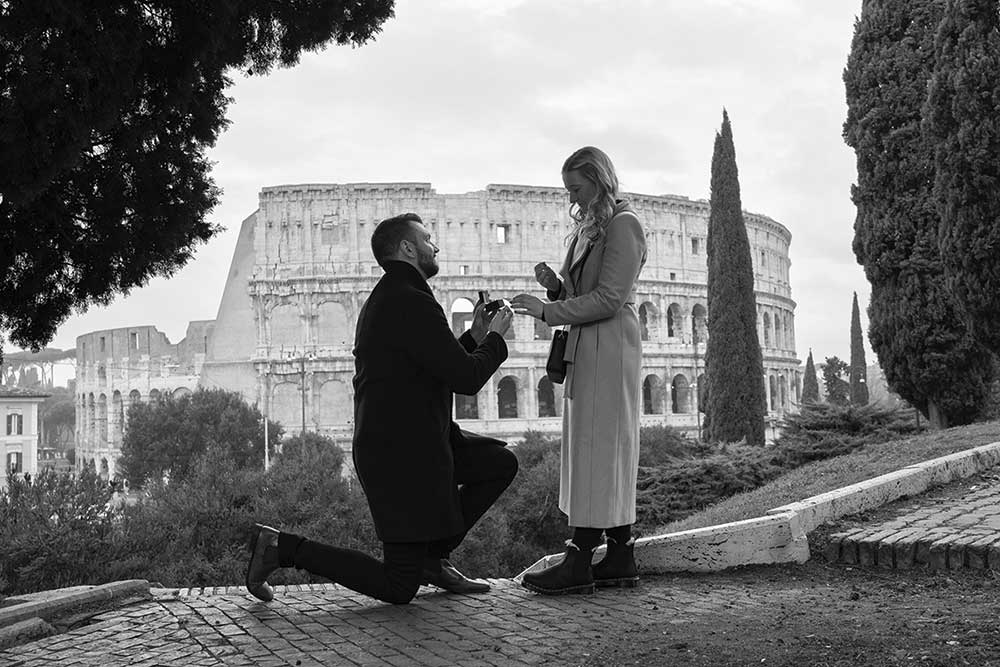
<point x="938" y="420"/>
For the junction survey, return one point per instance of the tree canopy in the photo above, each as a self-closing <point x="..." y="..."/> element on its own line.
<point x="733" y="359"/>
<point x="167" y="436"/>
<point x="106" y="113"/>
<point x="810" y="383"/>
<point x="962" y="115"/>
<point x="837" y="388"/>
<point x="924" y="347"/>
<point x="859" y="368"/>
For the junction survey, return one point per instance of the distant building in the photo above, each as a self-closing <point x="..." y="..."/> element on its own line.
<point x="118" y="367"/>
<point x="19" y="434"/>
<point x="302" y="268"/>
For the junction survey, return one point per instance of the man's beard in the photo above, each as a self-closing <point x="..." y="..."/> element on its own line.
<point x="428" y="264"/>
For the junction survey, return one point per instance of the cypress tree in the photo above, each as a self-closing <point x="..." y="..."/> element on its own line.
<point x="962" y="116"/>
<point x="734" y="366"/>
<point x="810" y="383"/>
<point x="926" y="351"/>
<point x="859" y="369"/>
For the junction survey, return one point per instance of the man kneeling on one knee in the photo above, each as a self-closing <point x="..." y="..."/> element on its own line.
<point x="427" y="481"/>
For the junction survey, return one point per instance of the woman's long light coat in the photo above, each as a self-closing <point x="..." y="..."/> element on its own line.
<point x="600" y="443"/>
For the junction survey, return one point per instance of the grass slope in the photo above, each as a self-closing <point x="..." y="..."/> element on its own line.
<point x="834" y="473"/>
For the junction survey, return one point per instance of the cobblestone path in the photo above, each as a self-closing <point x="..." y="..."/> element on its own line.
<point x="329" y="625"/>
<point x="960" y="530"/>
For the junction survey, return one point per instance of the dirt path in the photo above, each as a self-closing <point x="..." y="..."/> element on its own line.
<point x="824" y="615"/>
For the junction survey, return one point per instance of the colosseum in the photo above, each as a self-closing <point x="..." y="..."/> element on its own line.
<point x="302" y="268"/>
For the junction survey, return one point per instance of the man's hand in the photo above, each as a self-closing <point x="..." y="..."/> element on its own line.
<point x="501" y="321"/>
<point x="480" y="322"/>
<point x="546" y="277"/>
<point x="525" y="304"/>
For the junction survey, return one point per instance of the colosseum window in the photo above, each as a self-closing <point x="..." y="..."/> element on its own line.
<point x="466" y="407"/>
<point x="695" y="246"/>
<point x="503" y="233"/>
<point x="507" y="398"/>
<point x="546" y="398"/>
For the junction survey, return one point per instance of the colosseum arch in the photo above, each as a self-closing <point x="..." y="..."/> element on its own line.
<point x="105" y="471"/>
<point x="778" y="340"/>
<point x="649" y="321"/>
<point x="680" y="400"/>
<point x="652" y="395"/>
<point x="285" y="326"/>
<point x="335" y="404"/>
<point x="461" y="315"/>
<point x="91" y="417"/>
<point x="286" y="406"/>
<point x="546" y="398"/>
<point x="117" y="416"/>
<point x="772" y="384"/>
<point x="333" y="326"/>
<point x="699" y="322"/>
<point x="783" y="391"/>
<point x="466" y="407"/>
<point x="154" y="396"/>
<point x="507" y="397"/>
<point x="180" y="392"/>
<point x="674" y="320"/>
<point x="767" y="329"/>
<point x="542" y="330"/>
<point x="102" y="419"/>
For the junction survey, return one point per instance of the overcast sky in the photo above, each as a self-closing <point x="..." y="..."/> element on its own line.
<point x="462" y="93"/>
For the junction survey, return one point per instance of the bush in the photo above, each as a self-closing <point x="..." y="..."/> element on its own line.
<point x="55" y="531"/>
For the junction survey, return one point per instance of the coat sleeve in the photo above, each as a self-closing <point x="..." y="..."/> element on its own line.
<point x="430" y="344"/>
<point x="468" y="342"/>
<point x="624" y="251"/>
<point x="557" y="295"/>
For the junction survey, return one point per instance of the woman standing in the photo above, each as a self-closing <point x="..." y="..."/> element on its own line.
<point x="600" y="438"/>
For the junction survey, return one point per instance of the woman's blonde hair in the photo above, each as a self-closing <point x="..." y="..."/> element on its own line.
<point x="596" y="167"/>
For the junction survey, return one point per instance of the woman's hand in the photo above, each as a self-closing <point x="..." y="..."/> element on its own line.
<point x="525" y="304"/>
<point x="546" y="277"/>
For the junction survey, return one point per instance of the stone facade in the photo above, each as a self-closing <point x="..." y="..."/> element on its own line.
<point x="19" y="430"/>
<point x="118" y="367"/>
<point x="303" y="268"/>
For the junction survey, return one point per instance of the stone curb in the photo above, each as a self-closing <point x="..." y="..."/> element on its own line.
<point x="24" y="631"/>
<point x="54" y="605"/>
<point x="780" y="535"/>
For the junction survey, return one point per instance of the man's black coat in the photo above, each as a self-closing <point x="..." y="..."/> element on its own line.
<point x="407" y="364"/>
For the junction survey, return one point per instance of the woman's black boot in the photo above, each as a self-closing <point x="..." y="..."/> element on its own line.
<point x="572" y="575"/>
<point x="618" y="566"/>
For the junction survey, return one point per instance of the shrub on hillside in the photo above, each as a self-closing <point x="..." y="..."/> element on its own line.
<point x="821" y="431"/>
<point x="55" y="530"/>
<point x="674" y="491"/>
<point x="662" y="445"/>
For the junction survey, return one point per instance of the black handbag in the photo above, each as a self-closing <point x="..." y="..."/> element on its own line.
<point x="555" y="367"/>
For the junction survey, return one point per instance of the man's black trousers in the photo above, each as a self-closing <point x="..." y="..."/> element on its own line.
<point x="482" y="470"/>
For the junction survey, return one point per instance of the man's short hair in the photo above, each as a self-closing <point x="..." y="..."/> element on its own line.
<point x="390" y="233"/>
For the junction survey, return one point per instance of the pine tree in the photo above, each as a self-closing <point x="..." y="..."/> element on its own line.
<point x="926" y="351"/>
<point x="962" y="115"/>
<point x="107" y="113"/>
<point x="837" y="388"/>
<point x="859" y="368"/>
<point x="734" y="365"/>
<point x="810" y="384"/>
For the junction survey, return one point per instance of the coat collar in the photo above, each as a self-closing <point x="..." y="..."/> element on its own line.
<point x="407" y="273"/>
